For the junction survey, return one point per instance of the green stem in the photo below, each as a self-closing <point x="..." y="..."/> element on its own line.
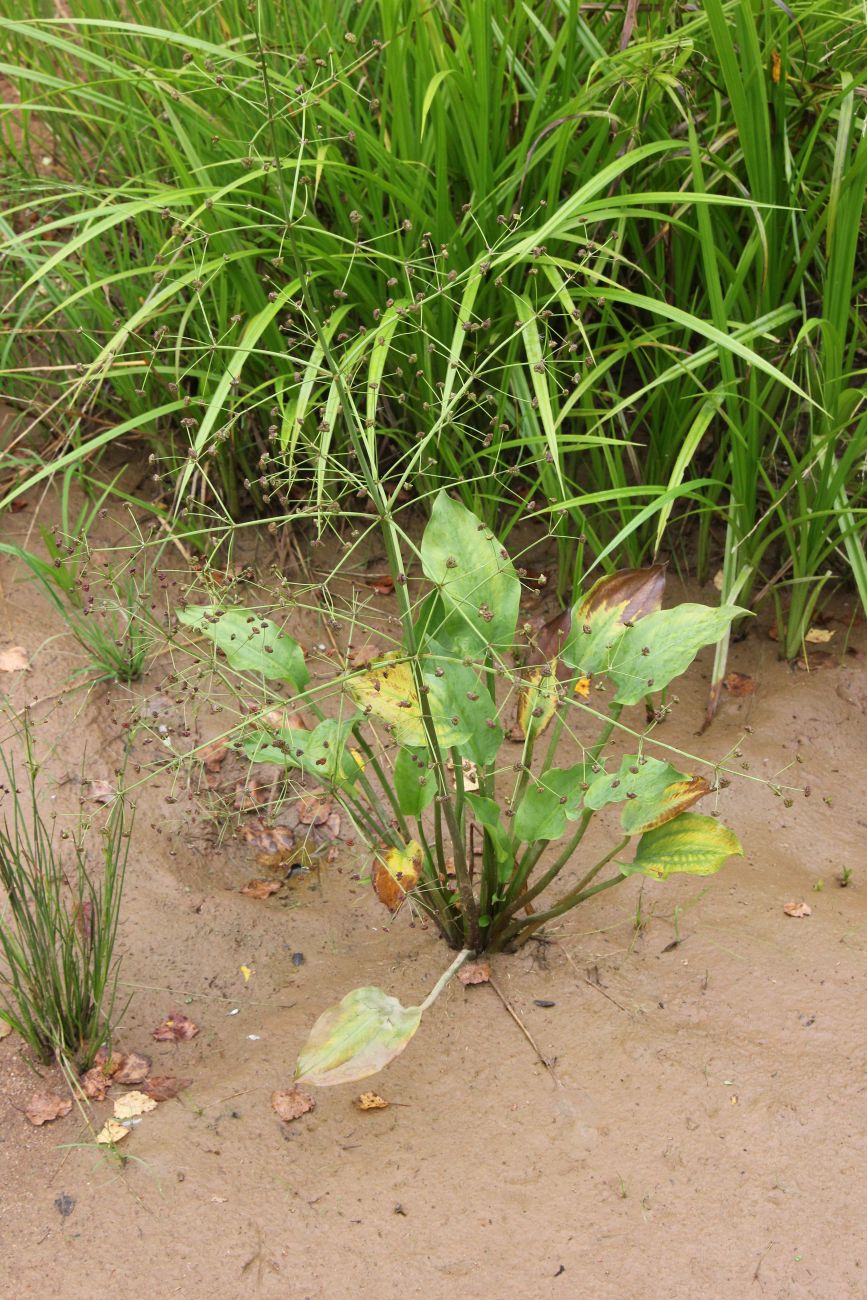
<point x="570" y="900"/>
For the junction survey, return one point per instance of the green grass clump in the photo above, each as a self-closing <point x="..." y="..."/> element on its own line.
<point x="58" y="924"/>
<point x="604" y="274"/>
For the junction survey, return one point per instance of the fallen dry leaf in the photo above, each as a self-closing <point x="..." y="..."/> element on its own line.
<point x="112" y="1131"/>
<point x="163" y="1087"/>
<point x="331" y="827"/>
<point x="383" y="586"/>
<point x="718" y="579"/>
<point x="95" y="1083"/>
<point x="5" y="1029"/>
<point x="213" y="756"/>
<point x="371" y="1101"/>
<point x="108" y="1064"/>
<point x="261" y="888"/>
<point x="475" y="972"/>
<point x="133" y="1103"/>
<point x="292" y="1104"/>
<point x="176" y="1028"/>
<point x="44" y="1107"/>
<point x="739" y="684"/>
<point x="314" y="808"/>
<point x="135" y="1069"/>
<point x="819" y="635"/>
<point x="13" y="659"/>
<point x="283" y="720"/>
<point x="817" y="659"/>
<point x="250" y="795"/>
<point x="797" y="909"/>
<point x="101" y="792"/>
<point x="275" y="844"/>
<point x="362" y="655"/>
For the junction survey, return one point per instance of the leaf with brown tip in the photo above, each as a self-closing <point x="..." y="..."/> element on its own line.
<point x="609" y="608"/>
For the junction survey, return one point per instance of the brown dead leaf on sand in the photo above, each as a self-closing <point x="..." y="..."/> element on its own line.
<point x="101" y="792"/>
<point x="95" y="1083"/>
<point x="275" y="845"/>
<point x="45" y="1107"/>
<point x="359" y="656"/>
<point x="109" y="1064"/>
<point x="135" y="1068"/>
<point x="261" y="888"/>
<point x="283" y="720"/>
<point x="797" y="909"/>
<point x="371" y="1101"/>
<point x="163" y="1087"/>
<point x="13" y="659"/>
<point x="383" y="586"/>
<point x="5" y="1029"/>
<point x="213" y="756"/>
<point x="314" y="808"/>
<point x="739" y="684"/>
<point x="475" y="972"/>
<point x="292" y="1104"/>
<point x="176" y="1028"/>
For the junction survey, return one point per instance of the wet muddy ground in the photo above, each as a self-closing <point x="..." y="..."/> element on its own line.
<point x="699" y="1130"/>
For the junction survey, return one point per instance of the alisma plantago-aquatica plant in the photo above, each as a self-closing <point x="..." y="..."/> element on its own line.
<point x="415" y="755"/>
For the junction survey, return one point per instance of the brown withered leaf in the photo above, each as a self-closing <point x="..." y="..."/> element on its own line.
<point x="314" y="808"/>
<point x="251" y="795"/>
<point x="5" y="1029"/>
<point x="371" y="1101"/>
<point x="109" y="1064"/>
<point x="176" y="1028"/>
<point x="13" y="659"/>
<point x="95" y="1083"/>
<point x="395" y="872"/>
<point x="475" y="972"/>
<point x="383" y="586"/>
<point x="284" y="720"/>
<point x="275" y="845"/>
<point x="101" y="792"/>
<point x="45" y="1107"/>
<point x="361" y="655"/>
<point x="739" y="684"/>
<point x="809" y="663"/>
<point x="135" y="1069"/>
<point x="213" y="756"/>
<point x="331" y="826"/>
<point x="163" y="1087"/>
<point x="797" y="909"/>
<point x="292" y="1104"/>
<point x="257" y="888"/>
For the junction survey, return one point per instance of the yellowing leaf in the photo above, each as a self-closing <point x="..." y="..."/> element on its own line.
<point x="819" y="635"/>
<point x="395" y="872"/>
<point x="356" y="1038"/>
<point x="111" y="1132"/>
<point x="388" y="691"/>
<point x="689" y="843"/>
<point x="133" y="1103"/>
<point x="600" y="618"/>
<point x="582" y="687"/>
<point x="246" y="972"/>
<point x="538" y="700"/>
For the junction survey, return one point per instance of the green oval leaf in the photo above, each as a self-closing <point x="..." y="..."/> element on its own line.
<point x="480" y="589"/>
<point x="550" y="802"/>
<point x="690" y="843"/>
<point x="414" y="783"/>
<point x="321" y="752"/>
<point x="356" y="1038"/>
<point x="649" y="656"/>
<point x="251" y="644"/>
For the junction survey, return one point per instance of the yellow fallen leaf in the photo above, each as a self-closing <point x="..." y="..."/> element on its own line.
<point x="371" y="1101"/>
<point x="819" y="635"/>
<point x="133" y="1103"/>
<point x="112" y="1132"/>
<point x="582" y="687"/>
<point x="246" y="972"/>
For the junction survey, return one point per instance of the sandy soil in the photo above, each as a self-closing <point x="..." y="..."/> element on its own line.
<point x="701" y="1132"/>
